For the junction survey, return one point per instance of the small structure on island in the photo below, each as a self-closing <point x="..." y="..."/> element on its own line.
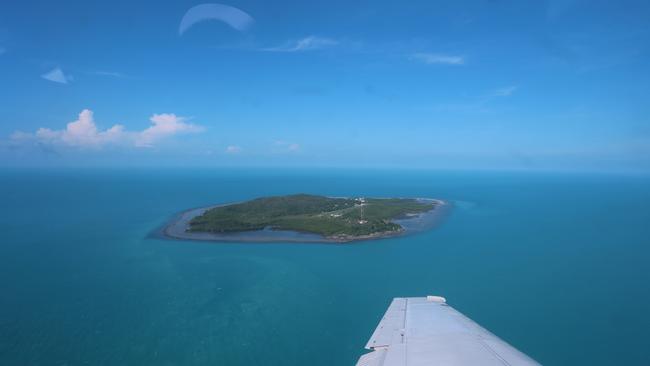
<point x="362" y="202"/>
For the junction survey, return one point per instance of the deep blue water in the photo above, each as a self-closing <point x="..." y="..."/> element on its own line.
<point x="556" y="264"/>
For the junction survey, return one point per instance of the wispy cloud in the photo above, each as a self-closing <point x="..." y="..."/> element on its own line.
<point x="84" y="133"/>
<point x="503" y="92"/>
<point x="478" y="104"/>
<point x="56" y="75"/>
<point x="556" y="8"/>
<point x="285" y="146"/>
<point x="233" y="149"/>
<point x="436" y="58"/>
<point x="107" y="73"/>
<point x="304" y="44"/>
<point x="234" y="17"/>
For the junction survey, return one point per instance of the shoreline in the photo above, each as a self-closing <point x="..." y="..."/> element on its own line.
<point x="175" y="229"/>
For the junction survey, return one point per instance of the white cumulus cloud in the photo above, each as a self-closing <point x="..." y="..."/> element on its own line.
<point x="164" y="125"/>
<point x="84" y="132"/>
<point x="56" y="75"/>
<point x="435" y="58"/>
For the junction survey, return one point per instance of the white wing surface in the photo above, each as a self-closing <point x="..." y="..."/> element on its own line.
<point x="419" y="331"/>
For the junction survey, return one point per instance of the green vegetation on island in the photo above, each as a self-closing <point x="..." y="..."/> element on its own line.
<point x="327" y="216"/>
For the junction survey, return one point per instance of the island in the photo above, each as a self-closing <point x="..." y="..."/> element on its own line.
<point x="306" y="217"/>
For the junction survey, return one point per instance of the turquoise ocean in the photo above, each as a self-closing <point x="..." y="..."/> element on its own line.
<point x="557" y="264"/>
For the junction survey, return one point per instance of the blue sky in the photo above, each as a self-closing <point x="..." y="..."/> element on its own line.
<point x="435" y="84"/>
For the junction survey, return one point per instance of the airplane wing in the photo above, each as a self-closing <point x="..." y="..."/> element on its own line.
<point x="419" y="331"/>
